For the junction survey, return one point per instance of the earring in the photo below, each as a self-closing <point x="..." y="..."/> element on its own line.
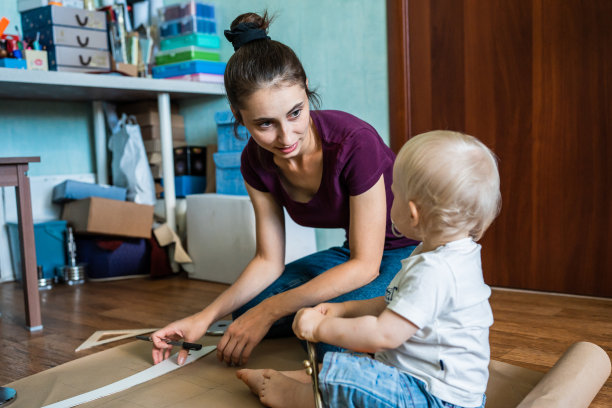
<point x="395" y="231"/>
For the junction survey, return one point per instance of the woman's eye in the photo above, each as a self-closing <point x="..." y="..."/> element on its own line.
<point x="265" y="124"/>
<point x="295" y="113"/>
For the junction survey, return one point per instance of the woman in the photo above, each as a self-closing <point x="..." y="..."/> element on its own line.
<point x="329" y="169"/>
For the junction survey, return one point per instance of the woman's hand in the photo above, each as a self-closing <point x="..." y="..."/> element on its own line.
<point x="189" y="329"/>
<point x="307" y="321"/>
<point x="243" y="335"/>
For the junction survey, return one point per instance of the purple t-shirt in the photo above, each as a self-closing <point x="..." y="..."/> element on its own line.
<point x="354" y="158"/>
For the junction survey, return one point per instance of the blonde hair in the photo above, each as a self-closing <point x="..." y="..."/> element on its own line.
<point x="453" y="180"/>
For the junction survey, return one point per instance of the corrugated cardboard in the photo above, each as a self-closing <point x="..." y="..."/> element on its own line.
<point x="109" y="217"/>
<point x="152" y="118"/>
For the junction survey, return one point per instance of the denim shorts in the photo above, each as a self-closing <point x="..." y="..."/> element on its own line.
<point x="347" y="380"/>
<point x="304" y="269"/>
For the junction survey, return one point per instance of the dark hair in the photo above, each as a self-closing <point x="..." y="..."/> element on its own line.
<point x="260" y="63"/>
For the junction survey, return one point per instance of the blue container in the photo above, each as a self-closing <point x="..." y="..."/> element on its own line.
<point x="76" y="190"/>
<point x="189" y="8"/>
<point x="226" y="138"/>
<point x="227" y="173"/>
<point x="50" y="239"/>
<point x="189" y="67"/>
<point x="110" y="259"/>
<point x="13" y="63"/>
<point x="186" y="185"/>
<point x="187" y="25"/>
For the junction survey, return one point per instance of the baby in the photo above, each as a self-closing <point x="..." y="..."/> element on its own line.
<point x="430" y="332"/>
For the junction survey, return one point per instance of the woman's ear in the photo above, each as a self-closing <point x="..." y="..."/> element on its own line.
<point x="414" y="214"/>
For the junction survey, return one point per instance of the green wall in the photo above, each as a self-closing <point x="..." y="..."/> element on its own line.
<point x="342" y="44"/>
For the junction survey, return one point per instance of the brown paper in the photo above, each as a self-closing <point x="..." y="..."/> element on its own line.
<point x="573" y="382"/>
<point x="165" y="236"/>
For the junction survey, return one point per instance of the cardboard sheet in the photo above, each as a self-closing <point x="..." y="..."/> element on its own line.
<point x="573" y="382"/>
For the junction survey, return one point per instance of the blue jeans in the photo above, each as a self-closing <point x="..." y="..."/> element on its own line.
<point x="304" y="269"/>
<point x="348" y="380"/>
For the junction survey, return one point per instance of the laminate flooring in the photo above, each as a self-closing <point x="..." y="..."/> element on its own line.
<point x="531" y="329"/>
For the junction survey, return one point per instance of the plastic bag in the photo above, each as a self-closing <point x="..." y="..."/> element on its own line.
<point x="129" y="164"/>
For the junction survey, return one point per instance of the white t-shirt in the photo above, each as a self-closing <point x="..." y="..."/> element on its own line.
<point x="443" y="293"/>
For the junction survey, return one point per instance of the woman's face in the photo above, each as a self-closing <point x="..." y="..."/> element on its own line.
<point x="278" y="119"/>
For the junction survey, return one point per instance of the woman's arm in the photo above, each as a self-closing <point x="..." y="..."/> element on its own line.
<point x="262" y="270"/>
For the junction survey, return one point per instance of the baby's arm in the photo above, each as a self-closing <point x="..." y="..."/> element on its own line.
<point x="366" y="333"/>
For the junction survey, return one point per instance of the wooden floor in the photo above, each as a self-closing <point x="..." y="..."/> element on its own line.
<point x="531" y="329"/>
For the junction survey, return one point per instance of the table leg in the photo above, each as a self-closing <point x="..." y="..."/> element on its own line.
<point x="165" y="122"/>
<point x="29" y="276"/>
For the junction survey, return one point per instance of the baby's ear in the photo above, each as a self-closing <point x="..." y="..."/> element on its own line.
<point x="414" y="213"/>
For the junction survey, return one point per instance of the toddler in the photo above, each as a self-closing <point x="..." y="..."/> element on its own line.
<point x="429" y="333"/>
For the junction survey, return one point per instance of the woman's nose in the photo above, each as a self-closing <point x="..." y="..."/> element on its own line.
<point x="283" y="134"/>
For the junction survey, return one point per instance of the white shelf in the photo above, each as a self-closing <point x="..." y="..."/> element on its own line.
<point x="96" y="88"/>
<point x="69" y="86"/>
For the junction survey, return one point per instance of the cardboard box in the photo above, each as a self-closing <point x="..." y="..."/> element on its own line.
<point x="109" y="217"/>
<point x="152" y="118"/>
<point x="37" y="60"/>
<point x="152" y="132"/>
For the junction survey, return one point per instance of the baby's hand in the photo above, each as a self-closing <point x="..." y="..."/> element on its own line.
<point x="331" y="309"/>
<point x="306" y="322"/>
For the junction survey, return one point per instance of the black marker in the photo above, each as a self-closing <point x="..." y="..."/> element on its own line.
<point x="183" y="344"/>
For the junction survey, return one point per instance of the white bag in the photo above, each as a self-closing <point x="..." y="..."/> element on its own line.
<point x="129" y="164"/>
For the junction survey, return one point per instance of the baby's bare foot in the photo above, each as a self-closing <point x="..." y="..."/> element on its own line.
<point x="253" y="378"/>
<point x="299" y="375"/>
<point x="278" y="390"/>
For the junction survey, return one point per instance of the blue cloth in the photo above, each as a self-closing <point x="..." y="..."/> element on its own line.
<point x="348" y="380"/>
<point x="304" y="269"/>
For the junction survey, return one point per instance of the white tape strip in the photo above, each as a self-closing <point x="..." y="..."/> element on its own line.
<point x="150" y="373"/>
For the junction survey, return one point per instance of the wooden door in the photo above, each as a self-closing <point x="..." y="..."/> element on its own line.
<point x="532" y="80"/>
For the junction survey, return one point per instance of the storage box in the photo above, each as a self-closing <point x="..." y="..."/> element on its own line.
<point x="43" y="17"/>
<point x="111" y="259"/>
<point x="228" y="178"/>
<point x="78" y="57"/>
<point x="153" y="132"/>
<point x="76" y="190"/>
<point x="187" y="185"/>
<point x="187" y="25"/>
<point x="190" y="160"/>
<point x="212" y="78"/>
<point x="50" y="36"/>
<point x="154" y="146"/>
<point x="186" y="40"/>
<point x="13" y="63"/>
<point x="50" y="244"/>
<point x="152" y="118"/>
<point x="133" y="108"/>
<point x="186" y="54"/>
<point x="226" y="137"/>
<point x="189" y="8"/>
<point x="109" y="217"/>
<point x="221" y="236"/>
<point x="36" y="60"/>
<point x="189" y="67"/>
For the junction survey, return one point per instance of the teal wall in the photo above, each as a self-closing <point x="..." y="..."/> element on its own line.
<point x="342" y="44"/>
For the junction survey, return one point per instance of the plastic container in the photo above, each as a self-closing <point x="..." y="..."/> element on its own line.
<point x="50" y="244"/>
<point x="189" y="8"/>
<point x="76" y="190"/>
<point x="227" y="173"/>
<point x="189" y="67"/>
<point x="226" y="138"/>
<point x="110" y="259"/>
<point x="187" y="185"/>
<point x="186" y="40"/>
<point x="186" y="54"/>
<point x="186" y="25"/>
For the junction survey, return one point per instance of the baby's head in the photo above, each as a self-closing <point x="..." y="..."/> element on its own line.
<point x="453" y="181"/>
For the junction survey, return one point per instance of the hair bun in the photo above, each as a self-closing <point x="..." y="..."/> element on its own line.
<point x="244" y="33"/>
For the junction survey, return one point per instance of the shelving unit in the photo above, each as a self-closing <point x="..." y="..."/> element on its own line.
<point x="98" y="88"/>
